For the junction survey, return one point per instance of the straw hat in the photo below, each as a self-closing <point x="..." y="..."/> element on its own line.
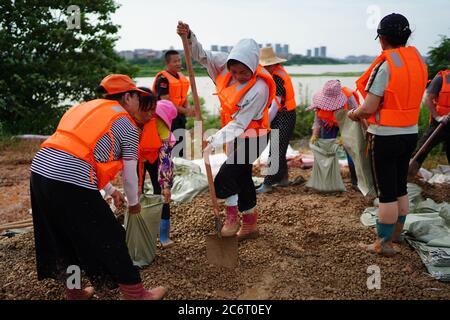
<point x="267" y="57"/>
<point x="331" y="97"/>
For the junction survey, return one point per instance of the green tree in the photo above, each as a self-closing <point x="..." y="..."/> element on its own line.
<point x="47" y="64"/>
<point x="439" y="57"/>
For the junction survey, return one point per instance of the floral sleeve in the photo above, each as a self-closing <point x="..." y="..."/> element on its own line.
<point x="165" y="168"/>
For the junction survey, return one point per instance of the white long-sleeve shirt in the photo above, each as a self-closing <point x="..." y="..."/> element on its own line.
<point x="251" y="104"/>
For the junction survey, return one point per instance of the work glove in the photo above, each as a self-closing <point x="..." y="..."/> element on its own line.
<point x="313" y="139"/>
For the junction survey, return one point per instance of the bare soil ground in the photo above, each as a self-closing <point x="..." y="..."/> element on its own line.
<point x="308" y="248"/>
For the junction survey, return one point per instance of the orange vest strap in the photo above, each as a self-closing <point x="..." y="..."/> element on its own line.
<point x="289" y="102"/>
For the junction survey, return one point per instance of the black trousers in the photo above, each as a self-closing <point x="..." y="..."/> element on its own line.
<point x="235" y="174"/>
<point x="390" y="157"/>
<point x="152" y="169"/>
<point x="75" y="226"/>
<point x="442" y="136"/>
<point x="284" y="122"/>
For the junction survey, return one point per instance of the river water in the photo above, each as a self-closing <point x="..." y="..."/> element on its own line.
<point x="304" y="87"/>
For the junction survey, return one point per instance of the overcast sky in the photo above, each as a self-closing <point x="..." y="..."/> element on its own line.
<point x="344" y="26"/>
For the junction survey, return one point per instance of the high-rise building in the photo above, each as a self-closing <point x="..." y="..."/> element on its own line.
<point x="309" y="53"/>
<point x="278" y="49"/>
<point x="323" y="51"/>
<point x="286" y="49"/>
<point x="214" y="47"/>
<point x="224" y="49"/>
<point x="316" y="52"/>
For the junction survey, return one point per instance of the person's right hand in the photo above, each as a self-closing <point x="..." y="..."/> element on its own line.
<point x="183" y="28"/>
<point x="134" y="209"/>
<point x="118" y="199"/>
<point x="313" y="139"/>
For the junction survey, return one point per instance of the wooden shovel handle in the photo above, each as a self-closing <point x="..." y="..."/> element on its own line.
<point x="427" y="143"/>
<point x="212" y="189"/>
<point x="187" y="54"/>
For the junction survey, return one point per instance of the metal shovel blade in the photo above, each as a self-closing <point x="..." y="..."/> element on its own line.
<point x="222" y="251"/>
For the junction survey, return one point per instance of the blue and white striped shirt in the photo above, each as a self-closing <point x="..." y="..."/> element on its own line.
<point x="59" y="165"/>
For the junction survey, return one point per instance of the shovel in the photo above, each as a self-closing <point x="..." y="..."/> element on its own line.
<point x="221" y="251"/>
<point x="413" y="165"/>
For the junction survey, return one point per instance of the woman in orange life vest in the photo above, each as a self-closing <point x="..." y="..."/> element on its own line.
<point x="282" y="117"/>
<point x="245" y="90"/>
<point x="393" y="88"/>
<point x="155" y="157"/>
<point x="73" y="223"/>
<point x="437" y="101"/>
<point x="330" y="99"/>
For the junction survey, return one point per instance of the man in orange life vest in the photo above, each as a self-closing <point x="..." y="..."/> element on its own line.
<point x="73" y="223"/>
<point x="172" y="85"/>
<point x="245" y="90"/>
<point x="438" y="102"/>
<point x="393" y="88"/>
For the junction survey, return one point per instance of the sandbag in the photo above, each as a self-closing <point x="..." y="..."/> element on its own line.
<point x="188" y="181"/>
<point x="142" y="230"/>
<point x="326" y="174"/>
<point x="355" y="143"/>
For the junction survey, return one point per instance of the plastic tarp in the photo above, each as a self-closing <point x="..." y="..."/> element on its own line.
<point x="355" y="142"/>
<point x="439" y="175"/>
<point x="188" y="181"/>
<point x="142" y="230"/>
<point x="326" y="174"/>
<point x="427" y="229"/>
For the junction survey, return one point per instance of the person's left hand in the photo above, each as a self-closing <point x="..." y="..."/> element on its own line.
<point x="166" y="194"/>
<point x="351" y="115"/>
<point x="118" y="198"/>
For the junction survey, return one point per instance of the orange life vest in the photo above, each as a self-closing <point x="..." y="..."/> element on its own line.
<point x="404" y="92"/>
<point x="149" y="146"/>
<point x="230" y="96"/>
<point x="79" y="130"/>
<point x="328" y="116"/>
<point x="289" y="101"/>
<point x="178" y="88"/>
<point x="443" y="103"/>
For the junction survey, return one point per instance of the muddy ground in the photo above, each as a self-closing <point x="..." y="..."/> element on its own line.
<point x="308" y="248"/>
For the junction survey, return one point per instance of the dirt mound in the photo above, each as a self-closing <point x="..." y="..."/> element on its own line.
<point x="308" y="249"/>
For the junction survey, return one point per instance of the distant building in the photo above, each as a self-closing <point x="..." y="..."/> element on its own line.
<point x="309" y="53"/>
<point x="278" y="49"/>
<point x="214" y="47"/>
<point x="224" y="49"/>
<point x="126" y="54"/>
<point x="316" y="52"/>
<point x="260" y="45"/>
<point x="323" y="52"/>
<point x="286" y="50"/>
<point x="268" y="44"/>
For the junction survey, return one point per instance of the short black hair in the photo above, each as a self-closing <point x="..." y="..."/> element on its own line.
<point x="397" y="40"/>
<point x="169" y="54"/>
<point x="147" y="103"/>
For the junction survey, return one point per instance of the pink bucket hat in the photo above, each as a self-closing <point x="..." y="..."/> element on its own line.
<point x="166" y="111"/>
<point x="331" y="97"/>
